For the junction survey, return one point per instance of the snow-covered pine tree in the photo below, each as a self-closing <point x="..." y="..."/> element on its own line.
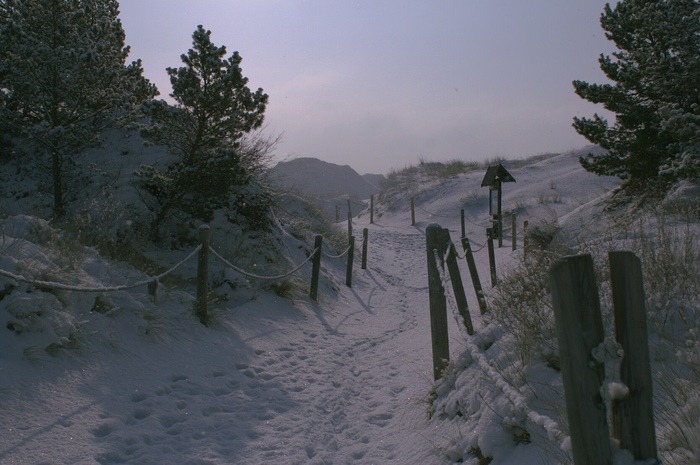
<point x="64" y="76"/>
<point x="655" y="95"/>
<point x="214" y="109"/>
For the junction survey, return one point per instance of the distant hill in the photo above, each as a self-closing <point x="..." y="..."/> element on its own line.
<point x="326" y="180"/>
<point x="374" y="179"/>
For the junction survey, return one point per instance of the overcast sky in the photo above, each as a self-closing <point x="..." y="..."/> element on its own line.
<point x="378" y="84"/>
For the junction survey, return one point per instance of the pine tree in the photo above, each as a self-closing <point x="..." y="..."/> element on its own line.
<point x="64" y="76"/>
<point x="655" y="95"/>
<point x="214" y="109"/>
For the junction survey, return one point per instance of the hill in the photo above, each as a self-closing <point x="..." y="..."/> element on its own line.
<point x="315" y="177"/>
<point x="330" y="185"/>
<point x="133" y="378"/>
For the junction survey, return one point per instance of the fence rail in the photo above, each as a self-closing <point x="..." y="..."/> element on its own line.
<point x="580" y="333"/>
<point x="202" y="252"/>
<point x="440" y="249"/>
<point x="77" y="288"/>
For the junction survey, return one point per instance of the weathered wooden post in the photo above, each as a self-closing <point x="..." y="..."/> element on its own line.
<point x="580" y="330"/>
<point x="464" y="226"/>
<point x="513" y="229"/>
<point x="499" y="227"/>
<point x="435" y="240"/>
<point x="492" y="257"/>
<point x="457" y="286"/>
<point x="365" y="233"/>
<point x="525" y="241"/>
<point x="413" y="212"/>
<point x="371" y="209"/>
<point x="316" y="269"/>
<point x="349" y="220"/>
<point x="476" y="282"/>
<point x="351" y="259"/>
<point x="203" y="275"/>
<point x="633" y="416"/>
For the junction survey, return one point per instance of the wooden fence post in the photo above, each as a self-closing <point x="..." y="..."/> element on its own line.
<point x="413" y="212"/>
<point x="435" y="240"/>
<point x="492" y="257"/>
<point x="203" y="275"/>
<point x="316" y="270"/>
<point x="457" y="286"/>
<point x="351" y="259"/>
<point x="525" y="241"/>
<point x="371" y="209"/>
<point x="476" y="282"/>
<point x="349" y="220"/>
<point x="365" y="233"/>
<point x="633" y="416"/>
<point x="513" y="228"/>
<point x="464" y="226"/>
<point x="580" y="330"/>
<point x="500" y="230"/>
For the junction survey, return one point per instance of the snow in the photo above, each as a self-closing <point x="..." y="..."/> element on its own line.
<point x="136" y="379"/>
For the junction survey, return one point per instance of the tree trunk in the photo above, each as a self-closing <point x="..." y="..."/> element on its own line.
<point x="162" y="215"/>
<point x="59" y="207"/>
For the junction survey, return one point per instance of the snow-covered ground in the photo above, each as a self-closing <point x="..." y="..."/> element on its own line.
<point x="136" y="379"/>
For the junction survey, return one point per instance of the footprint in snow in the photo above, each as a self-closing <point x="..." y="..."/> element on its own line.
<point x="103" y="430"/>
<point x="141" y="413"/>
<point x="167" y="421"/>
<point x="381" y="419"/>
<point x="139" y="397"/>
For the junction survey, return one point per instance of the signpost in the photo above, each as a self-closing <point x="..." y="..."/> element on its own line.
<point x="495" y="176"/>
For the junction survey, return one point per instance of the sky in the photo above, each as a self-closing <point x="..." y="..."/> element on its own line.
<point x="382" y="84"/>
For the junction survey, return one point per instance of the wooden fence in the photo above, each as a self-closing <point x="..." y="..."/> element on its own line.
<point x="580" y="333"/>
<point x="581" y="337"/>
<point x="315" y="257"/>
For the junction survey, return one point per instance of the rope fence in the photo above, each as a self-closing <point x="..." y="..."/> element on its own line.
<point x="495" y="226"/>
<point x="76" y="288"/>
<point x="580" y="332"/>
<point x="440" y="253"/>
<point x="256" y="276"/>
<point x="551" y="427"/>
<point x="337" y="256"/>
<point x="202" y="251"/>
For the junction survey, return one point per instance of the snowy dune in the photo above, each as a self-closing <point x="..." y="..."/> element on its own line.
<point x="345" y="380"/>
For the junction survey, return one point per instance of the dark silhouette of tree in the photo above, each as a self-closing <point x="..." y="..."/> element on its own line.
<point x="64" y="77"/>
<point x="214" y="109"/>
<point x="655" y="96"/>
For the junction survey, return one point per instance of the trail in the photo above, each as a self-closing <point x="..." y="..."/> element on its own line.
<point x="360" y="378"/>
<point x="341" y="381"/>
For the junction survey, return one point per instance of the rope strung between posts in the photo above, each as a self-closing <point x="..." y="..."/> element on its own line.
<point x="452" y="216"/>
<point x="433" y="214"/>
<point x="450" y="247"/>
<point x="337" y="256"/>
<point x="465" y="216"/>
<point x="473" y="251"/>
<point x="480" y="248"/>
<point x="475" y="223"/>
<point x="255" y="276"/>
<point x="74" y="288"/>
<point x="552" y="428"/>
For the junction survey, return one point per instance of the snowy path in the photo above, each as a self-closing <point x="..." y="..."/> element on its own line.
<point x="353" y="375"/>
<point x="341" y="381"/>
